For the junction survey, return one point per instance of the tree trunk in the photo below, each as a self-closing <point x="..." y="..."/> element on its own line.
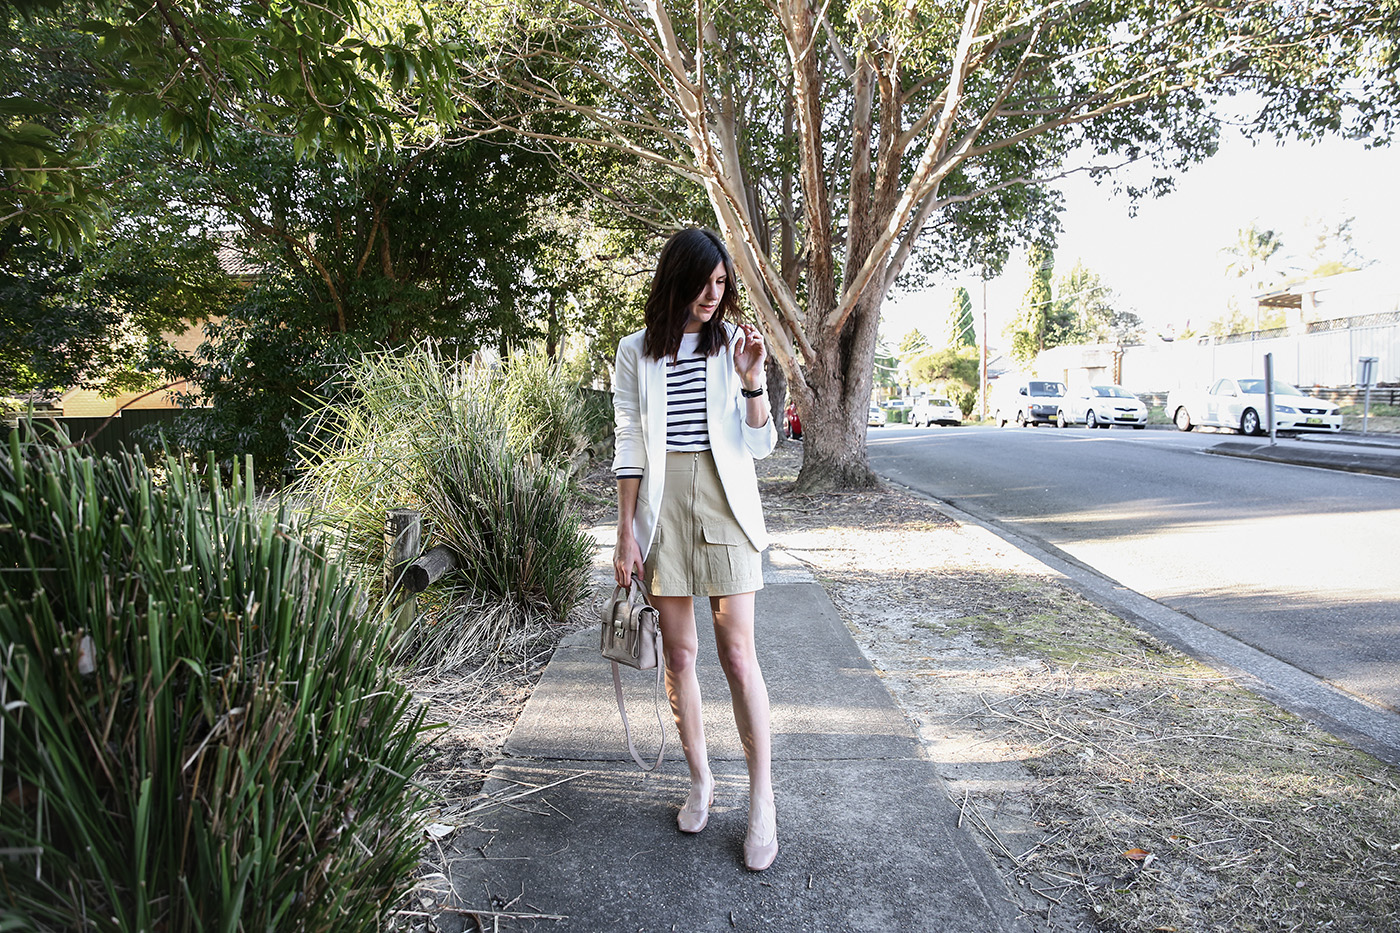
<point x="777" y="393"/>
<point x="838" y="384"/>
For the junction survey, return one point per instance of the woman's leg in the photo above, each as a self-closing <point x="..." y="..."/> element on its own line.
<point x="680" y="644"/>
<point x="738" y="655"/>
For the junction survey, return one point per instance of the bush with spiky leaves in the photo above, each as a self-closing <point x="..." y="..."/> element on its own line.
<point x="196" y="727"/>
<point x="486" y="454"/>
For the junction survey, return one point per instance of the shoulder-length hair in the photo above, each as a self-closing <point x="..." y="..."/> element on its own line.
<point x="684" y="268"/>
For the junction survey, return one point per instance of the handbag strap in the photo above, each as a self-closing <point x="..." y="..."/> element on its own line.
<point x="627" y="727"/>
<point x="640" y="589"/>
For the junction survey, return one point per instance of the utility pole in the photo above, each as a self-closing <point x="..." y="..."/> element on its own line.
<point x="983" y="393"/>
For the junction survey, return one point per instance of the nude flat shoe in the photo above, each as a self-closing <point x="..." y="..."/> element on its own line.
<point x="758" y="853"/>
<point x="693" y="819"/>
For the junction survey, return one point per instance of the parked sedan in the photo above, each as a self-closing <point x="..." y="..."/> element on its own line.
<point x="1242" y="404"/>
<point x="930" y="410"/>
<point x="877" y="417"/>
<point x="1102" y="406"/>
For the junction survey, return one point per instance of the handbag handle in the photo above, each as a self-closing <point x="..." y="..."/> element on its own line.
<point x="656" y="691"/>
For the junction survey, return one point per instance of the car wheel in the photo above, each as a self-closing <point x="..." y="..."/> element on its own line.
<point x="1249" y="422"/>
<point x="1001" y="422"/>
<point x="1091" y="420"/>
<point x="1020" y="419"/>
<point x="1060" y="418"/>
<point x="1182" y="419"/>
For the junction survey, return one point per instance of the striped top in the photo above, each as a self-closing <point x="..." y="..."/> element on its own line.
<point x="686" y="427"/>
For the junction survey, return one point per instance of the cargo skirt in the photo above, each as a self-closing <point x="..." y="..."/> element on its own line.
<point x="699" y="548"/>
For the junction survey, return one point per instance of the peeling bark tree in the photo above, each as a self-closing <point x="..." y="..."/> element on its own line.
<point x="843" y="143"/>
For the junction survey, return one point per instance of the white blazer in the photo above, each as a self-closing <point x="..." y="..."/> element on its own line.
<point x="639" y="411"/>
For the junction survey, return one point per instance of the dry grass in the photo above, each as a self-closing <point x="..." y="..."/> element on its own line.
<point x="1118" y="784"/>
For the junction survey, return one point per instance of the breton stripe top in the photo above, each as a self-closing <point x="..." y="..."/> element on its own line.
<point x="686" y="427"/>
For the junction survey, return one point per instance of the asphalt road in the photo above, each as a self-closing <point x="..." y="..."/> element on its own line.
<point x="1300" y="563"/>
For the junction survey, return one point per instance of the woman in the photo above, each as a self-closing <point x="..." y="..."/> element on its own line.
<point x="691" y="418"/>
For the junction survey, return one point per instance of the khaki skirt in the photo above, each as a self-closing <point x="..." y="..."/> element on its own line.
<point x="699" y="548"/>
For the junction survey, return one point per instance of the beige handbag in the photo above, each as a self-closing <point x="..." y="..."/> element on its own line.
<point x="631" y="635"/>
<point x="631" y="629"/>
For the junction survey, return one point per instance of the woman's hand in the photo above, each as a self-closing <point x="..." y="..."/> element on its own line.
<point x="750" y="353"/>
<point x="627" y="557"/>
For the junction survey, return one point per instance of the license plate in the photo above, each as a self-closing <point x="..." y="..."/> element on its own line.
<point x="1314" y="421"/>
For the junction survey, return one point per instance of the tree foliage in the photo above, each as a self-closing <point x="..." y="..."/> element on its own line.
<point x="962" y="331"/>
<point x="100" y="319"/>
<point x="913" y="344"/>
<point x="336" y="76"/>
<point x="1091" y="305"/>
<point x="845" y="145"/>
<point x="442" y="243"/>
<point x="886" y="366"/>
<point x="1040" y="322"/>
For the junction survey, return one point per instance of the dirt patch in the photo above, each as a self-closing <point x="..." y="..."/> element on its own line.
<point x="1117" y="784"/>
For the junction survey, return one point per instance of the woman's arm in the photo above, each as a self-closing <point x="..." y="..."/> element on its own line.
<point x="750" y="353"/>
<point x="627" y="555"/>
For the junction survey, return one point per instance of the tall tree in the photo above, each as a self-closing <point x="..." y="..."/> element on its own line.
<point x="843" y="145"/>
<point x="1041" y="322"/>
<point x="1251" y="255"/>
<point x="913" y="344"/>
<point x="1251" y="261"/>
<point x="962" y="331"/>
<point x="1092" y="306"/>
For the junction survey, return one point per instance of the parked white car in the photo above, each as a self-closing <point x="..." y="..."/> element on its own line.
<point x="1102" y="406"/>
<point x="931" y="409"/>
<point x="877" y="417"/>
<point x="1241" y="404"/>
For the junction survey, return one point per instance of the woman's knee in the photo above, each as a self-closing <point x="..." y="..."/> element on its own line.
<point x="680" y="658"/>
<point x="740" y="662"/>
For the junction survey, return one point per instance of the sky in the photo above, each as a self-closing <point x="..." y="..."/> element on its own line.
<point x="1166" y="262"/>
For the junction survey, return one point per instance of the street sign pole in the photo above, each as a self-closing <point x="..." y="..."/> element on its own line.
<point x="1368" y="379"/>
<point x="1269" y="396"/>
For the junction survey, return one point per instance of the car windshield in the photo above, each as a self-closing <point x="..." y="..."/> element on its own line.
<point x="1047" y="388"/>
<point x="1256" y="387"/>
<point x="940" y="403"/>
<point x="1112" y="392"/>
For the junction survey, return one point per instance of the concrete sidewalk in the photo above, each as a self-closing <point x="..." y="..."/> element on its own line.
<point x="1377" y="454"/>
<point x="581" y="841"/>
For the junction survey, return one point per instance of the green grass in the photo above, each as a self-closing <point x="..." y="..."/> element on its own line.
<point x="197" y="728"/>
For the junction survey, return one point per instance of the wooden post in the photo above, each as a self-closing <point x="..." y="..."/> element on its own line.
<point x="428" y="569"/>
<point x="403" y="534"/>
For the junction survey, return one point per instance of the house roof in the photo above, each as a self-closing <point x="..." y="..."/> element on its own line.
<point x="238" y="262"/>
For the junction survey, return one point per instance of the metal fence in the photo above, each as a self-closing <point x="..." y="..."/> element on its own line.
<point x="1326" y="355"/>
<point x="131" y="428"/>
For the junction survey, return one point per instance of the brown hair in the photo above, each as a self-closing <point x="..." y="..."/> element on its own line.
<point x="682" y="271"/>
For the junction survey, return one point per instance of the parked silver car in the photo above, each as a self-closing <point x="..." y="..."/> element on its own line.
<point x="931" y="409"/>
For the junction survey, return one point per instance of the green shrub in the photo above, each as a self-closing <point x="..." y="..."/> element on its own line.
<point x="197" y="731"/>
<point x="548" y="416"/>
<point x="964" y="397"/>
<point x="485" y="454"/>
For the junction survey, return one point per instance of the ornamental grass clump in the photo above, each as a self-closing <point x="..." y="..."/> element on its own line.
<point x="486" y="453"/>
<point x="197" y="730"/>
